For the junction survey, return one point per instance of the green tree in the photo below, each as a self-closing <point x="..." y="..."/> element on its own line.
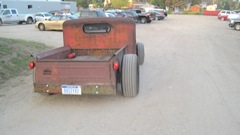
<point x="83" y="3"/>
<point x="226" y="6"/>
<point x="196" y="2"/>
<point x="176" y="3"/>
<point x="159" y="3"/>
<point x="119" y="3"/>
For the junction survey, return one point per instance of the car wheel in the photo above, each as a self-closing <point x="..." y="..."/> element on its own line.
<point x="140" y="53"/>
<point x="149" y="21"/>
<point x="237" y="26"/>
<point x="1" y="22"/>
<point x="41" y="27"/>
<point x="29" y="20"/>
<point x="143" y="20"/>
<point x="130" y="75"/>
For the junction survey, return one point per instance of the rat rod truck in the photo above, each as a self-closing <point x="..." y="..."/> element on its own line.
<point x="98" y="54"/>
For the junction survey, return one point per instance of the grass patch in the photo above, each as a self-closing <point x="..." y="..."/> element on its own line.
<point x="15" y="56"/>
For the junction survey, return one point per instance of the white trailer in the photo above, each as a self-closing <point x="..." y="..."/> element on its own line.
<point x="34" y="6"/>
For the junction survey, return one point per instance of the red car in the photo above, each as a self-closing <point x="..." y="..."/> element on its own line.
<point x="223" y="15"/>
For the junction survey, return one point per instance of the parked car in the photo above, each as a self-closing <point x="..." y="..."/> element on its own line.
<point x="109" y="14"/>
<point x="161" y="11"/>
<point x="53" y="23"/>
<point x="41" y="16"/>
<point x="157" y="15"/>
<point x="144" y="17"/>
<point x="235" y="23"/>
<point x="234" y="16"/>
<point x="132" y="15"/>
<point x="117" y="13"/>
<point x="56" y="12"/>
<point x="223" y="15"/>
<point x="85" y="13"/>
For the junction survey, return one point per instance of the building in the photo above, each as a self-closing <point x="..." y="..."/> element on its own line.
<point x="33" y="6"/>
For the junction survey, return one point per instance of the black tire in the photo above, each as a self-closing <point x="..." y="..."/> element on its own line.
<point x="29" y="20"/>
<point x="1" y="22"/>
<point x="41" y="27"/>
<point x="130" y="75"/>
<point x="140" y="53"/>
<point x="149" y="21"/>
<point x="143" y="20"/>
<point x="20" y="22"/>
<point x="237" y="26"/>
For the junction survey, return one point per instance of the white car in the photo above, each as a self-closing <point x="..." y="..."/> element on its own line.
<point x="42" y="16"/>
<point x="109" y="14"/>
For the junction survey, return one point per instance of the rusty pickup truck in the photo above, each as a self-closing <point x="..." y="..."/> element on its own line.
<point x="98" y="54"/>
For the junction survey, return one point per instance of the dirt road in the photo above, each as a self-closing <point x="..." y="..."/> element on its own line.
<point x="189" y="85"/>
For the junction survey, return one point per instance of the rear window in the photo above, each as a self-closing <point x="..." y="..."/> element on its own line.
<point x="96" y="28"/>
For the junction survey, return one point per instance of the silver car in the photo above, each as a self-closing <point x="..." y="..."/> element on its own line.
<point x="42" y="16"/>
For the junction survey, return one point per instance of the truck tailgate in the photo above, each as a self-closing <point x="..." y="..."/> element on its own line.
<point x="94" y="75"/>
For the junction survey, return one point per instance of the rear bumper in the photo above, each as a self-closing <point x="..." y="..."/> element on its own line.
<point x="90" y="89"/>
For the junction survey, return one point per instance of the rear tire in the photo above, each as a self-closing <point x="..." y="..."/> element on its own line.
<point x="237" y="26"/>
<point x="29" y="20"/>
<point x="130" y="75"/>
<point x="140" y="53"/>
<point x="41" y="27"/>
<point x="1" y="22"/>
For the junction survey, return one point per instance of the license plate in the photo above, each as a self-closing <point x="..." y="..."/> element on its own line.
<point x="71" y="90"/>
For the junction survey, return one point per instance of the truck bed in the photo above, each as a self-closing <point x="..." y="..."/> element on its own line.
<point x="91" y="69"/>
<point x="91" y="58"/>
<point x="61" y="54"/>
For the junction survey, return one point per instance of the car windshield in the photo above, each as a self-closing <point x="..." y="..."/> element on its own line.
<point x="47" y="14"/>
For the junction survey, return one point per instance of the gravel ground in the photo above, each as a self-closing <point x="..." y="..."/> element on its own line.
<point x="189" y="85"/>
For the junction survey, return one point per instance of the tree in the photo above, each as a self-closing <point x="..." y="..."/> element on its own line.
<point x="159" y="3"/>
<point x="119" y="3"/>
<point x="176" y="3"/>
<point x="196" y="2"/>
<point x="83" y="3"/>
<point x="226" y="6"/>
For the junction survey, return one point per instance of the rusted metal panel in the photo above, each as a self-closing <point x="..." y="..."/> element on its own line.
<point x="72" y="72"/>
<point x="58" y="53"/>
<point x="122" y="32"/>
